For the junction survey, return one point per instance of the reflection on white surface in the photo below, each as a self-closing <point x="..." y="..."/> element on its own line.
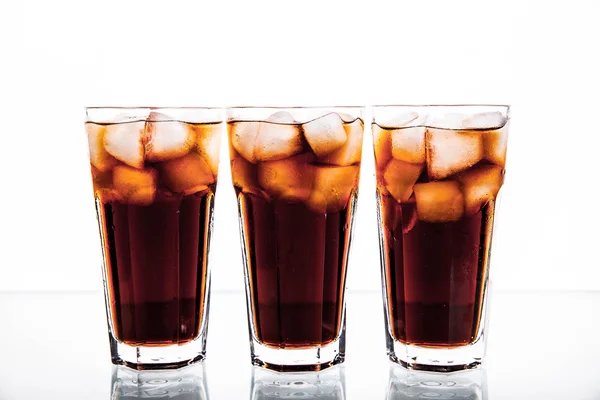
<point x="541" y="346"/>
<point x="465" y="385"/>
<point x="323" y="385"/>
<point x="183" y="384"/>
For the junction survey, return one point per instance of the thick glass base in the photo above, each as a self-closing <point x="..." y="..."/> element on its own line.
<point x="406" y="384"/>
<point x="437" y="359"/>
<point x="323" y="385"/>
<point x="185" y="383"/>
<point x="158" y="357"/>
<point x="306" y="359"/>
<point x="441" y="359"/>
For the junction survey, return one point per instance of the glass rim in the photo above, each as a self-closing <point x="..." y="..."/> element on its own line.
<point x="440" y="116"/>
<point x="291" y="107"/>
<point x="152" y="108"/>
<point x="120" y="114"/>
<point x="301" y="114"/>
<point x="440" y="105"/>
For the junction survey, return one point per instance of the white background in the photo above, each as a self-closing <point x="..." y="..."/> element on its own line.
<point x="539" y="56"/>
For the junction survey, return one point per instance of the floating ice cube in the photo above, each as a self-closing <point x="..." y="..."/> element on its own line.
<point x="325" y="134"/>
<point x="166" y="138"/>
<point x="439" y="201"/>
<point x="350" y="152"/>
<point x="332" y="188"/>
<point x="410" y="118"/>
<point x="494" y="145"/>
<point x="243" y="136"/>
<point x="403" y="218"/>
<point x="209" y="144"/>
<point x="99" y="157"/>
<point x="124" y="141"/>
<point x="408" y="144"/>
<point x="244" y="176"/>
<point x="101" y="179"/>
<point x="282" y="117"/>
<point x="409" y="216"/>
<point x="449" y="152"/>
<point x="399" y="178"/>
<point x="107" y="195"/>
<point x="289" y="179"/>
<point x="317" y="202"/>
<point x="380" y="183"/>
<point x="279" y="137"/>
<point x="480" y="184"/>
<point x="447" y="120"/>
<point x="188" y="174"/>
<point x="485" y="120"/>
<point x="382" y="145"/>
<point x="135" y="186"/>
<point x="347" y="117"/>
<point x="391" y="217"/>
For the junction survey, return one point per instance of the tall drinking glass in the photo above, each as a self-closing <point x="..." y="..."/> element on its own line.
<point x="439" y="170"/>
<point x="295" y="173"/>
<point x="154" y="174"/>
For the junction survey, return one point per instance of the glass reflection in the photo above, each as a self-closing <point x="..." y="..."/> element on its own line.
<point x="323" y="385"/>
<point x="409" y="385"/>
<point x="183" y="384"/>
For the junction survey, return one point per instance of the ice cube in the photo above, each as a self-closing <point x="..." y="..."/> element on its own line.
<point x="403" y="218"/>
<point x="494" y="145"/>
<point x="107" y="195"/>
<point x="451" y="120"/>
<point x="408" y="144"/>
<point x="439" y="201"/>
<point x="325" y="134"/>
<point x="332" y="188"/>
<point x="380" y="183"/>
<point x="99" y="157"/>
<point x="135" y="186"/>
<point x="209" y="144"/>
<point x="124" y="141"/>
<point x="101" y="179"/>
<point x="282" y="117"/>
<point x="243" y="136"/>
<point x="399" y="178"/>
<point x="485" y="120"/>
<point x="188" y="174"/>
<point x="350" y="152"/>
<point x="166" y="138"/>
<point x="317" y="202"/>
<point x="279" y="137"/>
<point x="454" y="120"/>
<point x="244" y="176"/>
<point x="409" y="216"/>
<point x="480" y="184"/>
<point x="391" y="217"/>
<point x="449" y="152"/>
<point x="288" y="179"/>
<point x="399" y="120"/>
<point x="347" y="117"/>
<point x="382" y="145"/>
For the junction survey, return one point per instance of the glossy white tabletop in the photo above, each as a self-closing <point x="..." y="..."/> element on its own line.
<point x="541" y="346"/>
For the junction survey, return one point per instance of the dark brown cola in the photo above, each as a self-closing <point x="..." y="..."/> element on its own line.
<point x="157" y="269"/>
